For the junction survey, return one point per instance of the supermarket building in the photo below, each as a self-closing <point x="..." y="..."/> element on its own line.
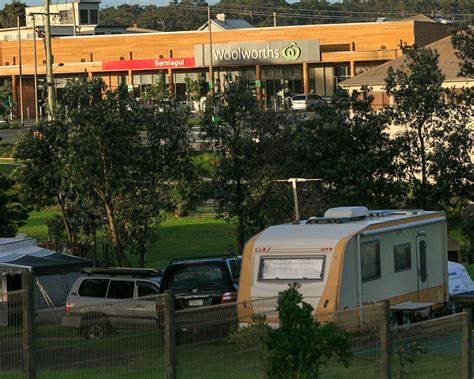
<point x="276" y="62"/>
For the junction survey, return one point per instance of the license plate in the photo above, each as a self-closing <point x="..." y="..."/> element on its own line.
<point x="196" y="303"/>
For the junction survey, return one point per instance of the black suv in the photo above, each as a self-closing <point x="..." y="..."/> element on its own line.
<point x="202" y="281"/>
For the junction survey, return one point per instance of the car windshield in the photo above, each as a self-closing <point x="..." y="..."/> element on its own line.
<point x="197" y="276"/>
<point x="234" y="265"/>
<point x="298" y="98"/>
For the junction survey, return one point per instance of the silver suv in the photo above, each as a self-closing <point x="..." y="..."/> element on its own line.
<point x="103" y="300"/>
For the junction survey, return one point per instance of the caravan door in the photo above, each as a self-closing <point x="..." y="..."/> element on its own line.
<point x="421" y="259"/>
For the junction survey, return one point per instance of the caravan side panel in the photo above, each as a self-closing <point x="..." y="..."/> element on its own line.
<point x="382" y="279"/>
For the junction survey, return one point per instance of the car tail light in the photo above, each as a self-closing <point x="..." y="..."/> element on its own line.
<point x="228" y="297"/>
<point x="68" y="308"/>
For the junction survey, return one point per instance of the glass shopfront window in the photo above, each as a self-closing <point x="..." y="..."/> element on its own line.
<point x="280" y="83"/>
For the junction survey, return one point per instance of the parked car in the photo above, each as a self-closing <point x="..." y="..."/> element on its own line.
<point x="102" y="300"/>
<point x="306" y="102"/>
<point x="203" y="283"/>
<point x="198" y="282"/>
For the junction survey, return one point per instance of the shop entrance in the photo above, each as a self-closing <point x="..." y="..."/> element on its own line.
<point x="279" y="84"/>
<point x="278" y="91"/>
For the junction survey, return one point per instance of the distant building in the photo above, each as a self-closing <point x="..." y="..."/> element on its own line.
<point x="375" y="78"/>
<point x="275" y="62"/>
<point x="67" y="19"/>
<point x="221" y="22"/>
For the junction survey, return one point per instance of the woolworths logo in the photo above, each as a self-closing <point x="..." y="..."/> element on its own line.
<point x="290" y="53"/>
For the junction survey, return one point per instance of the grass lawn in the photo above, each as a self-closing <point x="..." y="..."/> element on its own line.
<point x="179" y="238"/>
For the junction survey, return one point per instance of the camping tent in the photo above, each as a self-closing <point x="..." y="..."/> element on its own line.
<point x="55" y="272"/>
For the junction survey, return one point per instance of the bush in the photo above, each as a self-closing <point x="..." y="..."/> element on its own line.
<point x="6" y="150"/>
<point x="301" y="345"/>
<point x="467" y="230"/>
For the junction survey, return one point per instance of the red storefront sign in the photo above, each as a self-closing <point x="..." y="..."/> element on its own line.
<point x="160" y="63"/>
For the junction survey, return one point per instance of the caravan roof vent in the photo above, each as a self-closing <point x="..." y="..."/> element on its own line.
<point x="347" y="212"/>
<point x="408" y="212"/>
<point x="380" y="213"/>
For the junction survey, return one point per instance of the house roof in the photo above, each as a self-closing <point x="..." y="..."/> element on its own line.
<point x="448" y="63"/>
<point x="229" y="23"/>
<point x="419" y="17"/>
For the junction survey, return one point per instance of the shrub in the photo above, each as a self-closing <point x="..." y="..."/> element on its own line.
<point x="301" y="345"/>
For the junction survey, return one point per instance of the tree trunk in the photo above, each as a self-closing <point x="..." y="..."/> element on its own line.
<point x="141" y="253"/>
<point x="423" y="167"/>
<point x="67" y="226"/>
<point x="119" y="250"/>
<point x="240" y="217"/>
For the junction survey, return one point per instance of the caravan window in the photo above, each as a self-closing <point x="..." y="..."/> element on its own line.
<point x="292" y="268"/>
<point x="402" y="257"/>
<point x="370" y="261"/>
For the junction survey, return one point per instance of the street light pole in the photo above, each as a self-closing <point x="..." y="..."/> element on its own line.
<point x="36" y="70"/>
<point x="294" y="182"/>
<point x="49" y="63"/>
<point x="22" y="120"/>
<point x="211" y="68"/>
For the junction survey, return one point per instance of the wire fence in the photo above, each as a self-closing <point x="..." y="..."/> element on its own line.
<point x="148" y="338"/>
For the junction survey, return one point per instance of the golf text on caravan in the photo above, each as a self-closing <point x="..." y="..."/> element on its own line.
<point x="291" y="53"/>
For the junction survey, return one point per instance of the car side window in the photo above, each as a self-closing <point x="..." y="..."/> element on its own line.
<point x="146" y="289"/>
<point x="121" y="289"/>
<point x="94" y="287"/>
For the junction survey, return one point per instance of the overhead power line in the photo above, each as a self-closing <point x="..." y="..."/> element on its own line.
<point x="319" y="14"/>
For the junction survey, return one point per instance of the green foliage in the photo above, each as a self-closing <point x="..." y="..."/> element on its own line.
<point x="405" y="356"/>
<point x="467" y="229"/>
<point x="347" y="145"/>
<point x="435" y="137"/>
<point x="7" y="105"/>
<point x="301" y="345"/>
<point x="249" y="148"/>
<point x="462" y="39"/>
<point x="6" y="151"/>
<point x="9" y="13"/>
<point x="12" y="212"/>
<point x="158" y="93"/>
<point x="169" y="18"/>
<point x="190" y="15"/>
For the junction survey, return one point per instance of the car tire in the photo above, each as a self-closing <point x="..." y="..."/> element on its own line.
<point x="95" y="328"/>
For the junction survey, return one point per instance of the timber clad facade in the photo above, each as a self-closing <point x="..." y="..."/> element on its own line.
<point x="279" y="67"/>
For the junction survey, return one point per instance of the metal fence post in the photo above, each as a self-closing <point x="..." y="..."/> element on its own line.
<point x="385" y="344"/>
<point x="467" y="344"/>
<point x="28" y="322"/>
<point x="170" y="335"/>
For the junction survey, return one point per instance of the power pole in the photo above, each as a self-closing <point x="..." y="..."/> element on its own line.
<point x="49" y="63"/>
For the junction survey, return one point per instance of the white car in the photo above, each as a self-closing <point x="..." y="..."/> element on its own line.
<point x="306" y="102"/>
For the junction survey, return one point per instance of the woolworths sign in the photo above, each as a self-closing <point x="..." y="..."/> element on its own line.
<point x="250" y="53"/>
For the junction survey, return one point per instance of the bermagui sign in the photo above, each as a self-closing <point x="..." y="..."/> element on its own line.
<point x="251" y="53"/>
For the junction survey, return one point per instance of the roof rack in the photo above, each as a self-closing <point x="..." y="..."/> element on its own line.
<point x="112" y="271"/>
<point x="225" y="256"/>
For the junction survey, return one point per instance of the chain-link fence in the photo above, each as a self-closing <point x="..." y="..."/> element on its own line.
<point x="147" y="338"/>
<point x="429" y="349"/>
